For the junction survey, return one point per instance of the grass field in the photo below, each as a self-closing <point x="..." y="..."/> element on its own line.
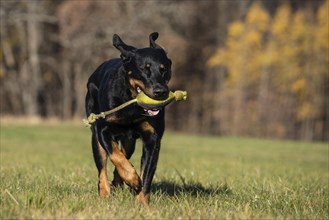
<point x="47" y="172"/>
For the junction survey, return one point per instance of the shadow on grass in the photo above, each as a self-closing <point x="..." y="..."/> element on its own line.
<point x="172" y="188"/>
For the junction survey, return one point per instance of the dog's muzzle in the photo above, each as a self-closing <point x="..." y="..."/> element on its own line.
<point x="149" y="112"/>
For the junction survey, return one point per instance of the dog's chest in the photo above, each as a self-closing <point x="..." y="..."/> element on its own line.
<point x="124" y="132"/>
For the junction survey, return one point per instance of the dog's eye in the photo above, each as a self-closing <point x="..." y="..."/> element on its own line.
<point x="147" y="66"/>
<point x="162" y="68"/>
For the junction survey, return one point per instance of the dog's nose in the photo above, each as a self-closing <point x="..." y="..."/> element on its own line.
<point x="160" y="92"/>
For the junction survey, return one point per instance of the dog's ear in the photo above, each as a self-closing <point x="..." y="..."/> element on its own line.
<point x="153" y="36"/>
<point x="127" y="51"/>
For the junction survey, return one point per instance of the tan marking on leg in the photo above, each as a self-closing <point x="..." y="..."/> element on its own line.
<point x="125" y="169"/>
<point x="103" y="184"/>
<point x="128" y="148"/>
<point x="142" y="199"/>
<point x="147" y="127"/>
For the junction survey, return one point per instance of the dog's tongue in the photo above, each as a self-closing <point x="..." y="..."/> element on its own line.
<point x="152" y="112"/>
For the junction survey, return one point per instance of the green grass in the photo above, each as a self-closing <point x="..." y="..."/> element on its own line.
<point x="47" y="172"/>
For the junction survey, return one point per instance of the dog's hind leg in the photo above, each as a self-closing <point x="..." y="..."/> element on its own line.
<point x="100" y="157"/>
<point x="128" y="148"/>
<point x="124" y="168"/>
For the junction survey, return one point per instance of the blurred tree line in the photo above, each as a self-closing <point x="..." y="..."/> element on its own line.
<point x="256" y="68"/>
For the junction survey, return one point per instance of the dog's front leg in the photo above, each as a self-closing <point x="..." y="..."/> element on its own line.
<point x="151" y="148"/>
<point x="124" y="168"/>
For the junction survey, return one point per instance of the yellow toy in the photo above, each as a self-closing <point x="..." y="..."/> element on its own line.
<point x="142" y="100"/>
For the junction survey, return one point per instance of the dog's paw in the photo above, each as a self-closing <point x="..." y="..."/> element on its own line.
<point x="142" y="199"/>
<point x="104" y="190"/>
<point x="134" y="181"/>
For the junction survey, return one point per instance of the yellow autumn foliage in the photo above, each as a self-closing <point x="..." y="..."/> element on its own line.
<point x="306" y="110"/>
<point x="299" y="85"/>
<point x="299" y="26"/>
<point x="258" y="17"/>
<point x="322" y="33"/>
<point x="217" y="58"/>
<point x="284" y="57"/>
<point x="235" y="29"/>
<point x="253" y="38"/>
<point x="281" y="20"/>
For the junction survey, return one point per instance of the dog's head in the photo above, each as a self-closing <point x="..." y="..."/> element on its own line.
<point x="148" y="69"/>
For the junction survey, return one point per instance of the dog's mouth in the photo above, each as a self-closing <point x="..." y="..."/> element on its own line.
<point x="149" y="112"/>
<point x="153" y="112"/>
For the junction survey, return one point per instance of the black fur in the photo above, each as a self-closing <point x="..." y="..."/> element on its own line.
<point x="115" y="82"/>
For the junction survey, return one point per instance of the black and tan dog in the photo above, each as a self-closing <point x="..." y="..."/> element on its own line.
<point x="115" y="82"/>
